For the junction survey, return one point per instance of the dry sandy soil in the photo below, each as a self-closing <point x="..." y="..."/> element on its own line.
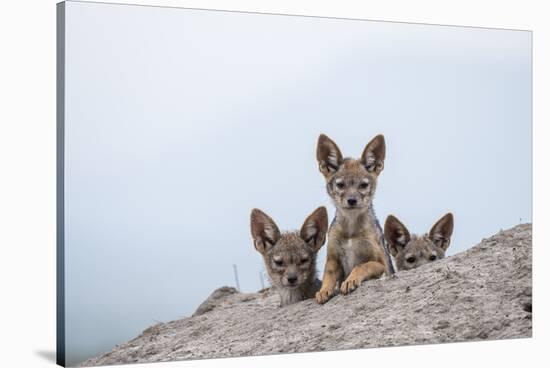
<point x="480" y="294"/>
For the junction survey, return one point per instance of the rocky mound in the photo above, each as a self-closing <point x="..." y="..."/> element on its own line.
<point x="482" y="293"/>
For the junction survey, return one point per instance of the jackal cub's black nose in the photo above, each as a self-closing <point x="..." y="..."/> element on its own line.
<point x="292" y="279"/>
<point x="352" y="201"/>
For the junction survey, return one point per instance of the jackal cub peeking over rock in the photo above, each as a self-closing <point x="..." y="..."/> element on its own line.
<point x="290" y="257"/>
<point x="356" y="250"/>
<point x="411" y="251"/>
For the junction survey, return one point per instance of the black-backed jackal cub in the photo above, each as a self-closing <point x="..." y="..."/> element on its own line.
<point x="411" y="251"/>
<point x="356" y="251"/>
<point x="290" y="258"/>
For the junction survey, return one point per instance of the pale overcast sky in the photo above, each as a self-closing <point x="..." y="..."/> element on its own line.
<point x="179" y="122"/>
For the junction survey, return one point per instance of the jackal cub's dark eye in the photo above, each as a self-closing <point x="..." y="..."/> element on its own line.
<point x="340" y="185"/>
<point x="303" y="261"/>
<point x="278" y="262"/>
<point x="432" y="257"/>
<point x="411" y="259"/>
<point x="363" y="185"/>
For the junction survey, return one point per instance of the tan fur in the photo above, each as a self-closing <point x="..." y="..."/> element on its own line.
<point x="290" y="257"/>
<point x="412" y="251"/>
<point x="355" y="241"/>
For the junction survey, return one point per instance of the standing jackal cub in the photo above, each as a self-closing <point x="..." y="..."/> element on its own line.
<point x="290" y="258"/>
<point x="411" y="251"/>
<point x="356" y="250"/>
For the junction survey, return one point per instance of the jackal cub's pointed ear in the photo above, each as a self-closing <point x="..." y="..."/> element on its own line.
<point x="314" y="229"/>
<point x="441" y="232"/>
<point x="264" y="231"/>
<point x="328" y="155"/>
<point x="374" y="154"/>
<point x="396" y="234"/>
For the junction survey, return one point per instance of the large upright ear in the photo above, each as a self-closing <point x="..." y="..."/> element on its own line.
<point x="441" y="232"/>
<point x="396" y="234"/>
<point x="264" y="231"/>
<point x="314" y="229"/>
<point x="374" y="154"/>
<point x="328" y="155"/>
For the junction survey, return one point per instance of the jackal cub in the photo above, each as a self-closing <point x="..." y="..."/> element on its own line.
<point x="411" y="251"/>
<point x="290" y="257"/>
<point x="356" y="251"/>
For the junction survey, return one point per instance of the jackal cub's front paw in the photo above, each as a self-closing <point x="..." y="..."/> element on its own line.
<point x="350" y="284"/>
<point x="323" y="295"/>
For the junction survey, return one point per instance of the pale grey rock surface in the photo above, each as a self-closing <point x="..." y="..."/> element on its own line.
<point x="480" y="294"/>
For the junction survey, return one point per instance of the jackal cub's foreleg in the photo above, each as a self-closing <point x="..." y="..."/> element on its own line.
<point x="332" y="276"/>
<point x="364" y="271"/>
